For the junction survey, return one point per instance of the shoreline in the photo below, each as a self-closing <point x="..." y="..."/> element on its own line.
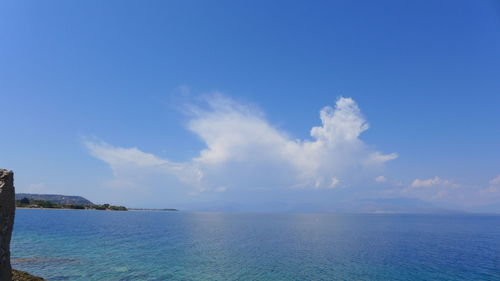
<point x="70" y="209"/>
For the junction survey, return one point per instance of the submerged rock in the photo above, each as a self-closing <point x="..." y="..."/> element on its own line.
<point x="7" y="211"/>
<point x="18" y="275"/>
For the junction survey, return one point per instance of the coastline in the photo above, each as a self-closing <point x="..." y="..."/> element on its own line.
<point x="68" y="209"/>
<point x="130" y="209"/>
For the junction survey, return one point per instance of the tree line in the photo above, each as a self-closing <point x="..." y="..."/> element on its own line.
<point x="31" y="203"/>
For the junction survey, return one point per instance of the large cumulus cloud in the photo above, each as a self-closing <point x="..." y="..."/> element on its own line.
<point x="245" y="152"/>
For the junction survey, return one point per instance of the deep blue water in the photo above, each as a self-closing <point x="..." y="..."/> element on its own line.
<point x="141" y="245"/>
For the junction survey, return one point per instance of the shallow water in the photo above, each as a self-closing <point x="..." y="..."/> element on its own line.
<point x="146" y="245"/>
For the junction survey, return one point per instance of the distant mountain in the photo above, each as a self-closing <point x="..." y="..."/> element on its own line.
<point x="489" y="209"/>
<point x="55" y="198"/>
<point x="400" y="205"/>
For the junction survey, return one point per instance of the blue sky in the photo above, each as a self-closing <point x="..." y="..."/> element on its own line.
<point x="164" y="77"/>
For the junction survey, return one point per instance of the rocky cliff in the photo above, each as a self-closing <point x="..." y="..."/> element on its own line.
<point x="7" y="211"/>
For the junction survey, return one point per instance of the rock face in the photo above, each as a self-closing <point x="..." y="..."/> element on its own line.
<point x="7" y="211"/>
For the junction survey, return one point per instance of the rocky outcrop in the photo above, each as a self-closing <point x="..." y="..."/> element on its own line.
<point x="7" y="211"/>
<point x="18" y="275"/>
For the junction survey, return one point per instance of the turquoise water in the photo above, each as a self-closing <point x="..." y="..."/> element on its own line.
<point x="141" y="245"/>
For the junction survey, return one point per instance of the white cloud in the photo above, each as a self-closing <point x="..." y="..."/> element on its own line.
<point x="244" y="151"/>
<point x="437" y="189"/>
<point x="380" y="179"/>
<point x="493" y="188"/>
<point x="495" y="181"/>
<point x="131" y="166"/>
<point x="429" y="182"/>
<point x="344" y="123"/>
<point x="118" y="157"/>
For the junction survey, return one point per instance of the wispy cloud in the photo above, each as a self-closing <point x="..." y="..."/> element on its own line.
<point x="495" y="181"/>
<point x="118" y="157"/>
<point x="449" y="192"/>
<point x="37" y="188"/>
<point x="431" y="189"/>
<point x="494" y="187"/>
<point x="429" y="182"/>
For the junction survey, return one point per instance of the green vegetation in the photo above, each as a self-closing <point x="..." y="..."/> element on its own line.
<point x="27" y="203"/>
<point x="55" y="198"/>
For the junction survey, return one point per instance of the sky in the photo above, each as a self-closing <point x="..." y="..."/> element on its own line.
<point x="253" y="105"/>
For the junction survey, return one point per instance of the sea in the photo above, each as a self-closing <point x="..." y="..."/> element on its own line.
<point x="92" y="245"/>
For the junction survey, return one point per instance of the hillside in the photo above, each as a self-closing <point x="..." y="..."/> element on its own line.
<point x="55" y="198"/>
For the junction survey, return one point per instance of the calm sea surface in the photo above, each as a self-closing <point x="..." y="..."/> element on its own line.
<point x="142" y="245"/>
